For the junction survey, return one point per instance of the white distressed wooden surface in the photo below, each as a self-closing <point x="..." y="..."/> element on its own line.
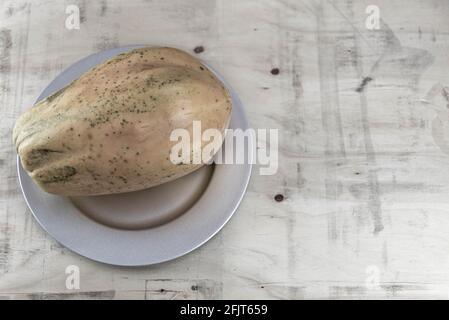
<point x="364" y="168"/>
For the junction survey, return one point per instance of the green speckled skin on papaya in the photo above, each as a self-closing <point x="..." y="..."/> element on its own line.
<point x="108" y="131"/>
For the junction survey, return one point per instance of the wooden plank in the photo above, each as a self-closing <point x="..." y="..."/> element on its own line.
<point x="363" y="122"/>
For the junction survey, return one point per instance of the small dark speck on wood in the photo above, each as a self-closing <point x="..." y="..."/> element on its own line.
<point x="198" y="49"/>
<point x="279" y="197"/>
<point x="362" y="86"/>
<point x="275" y="71"/>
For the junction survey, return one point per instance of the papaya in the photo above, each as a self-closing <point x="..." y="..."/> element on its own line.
<point x="109" y="130"/>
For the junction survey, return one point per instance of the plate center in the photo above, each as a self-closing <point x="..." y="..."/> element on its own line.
<point x="147" y="208"/>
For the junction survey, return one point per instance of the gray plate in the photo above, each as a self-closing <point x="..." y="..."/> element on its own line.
<point x="144" y="227"/>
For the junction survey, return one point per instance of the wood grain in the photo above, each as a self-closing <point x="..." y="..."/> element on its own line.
<point x="363" y="122"/>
